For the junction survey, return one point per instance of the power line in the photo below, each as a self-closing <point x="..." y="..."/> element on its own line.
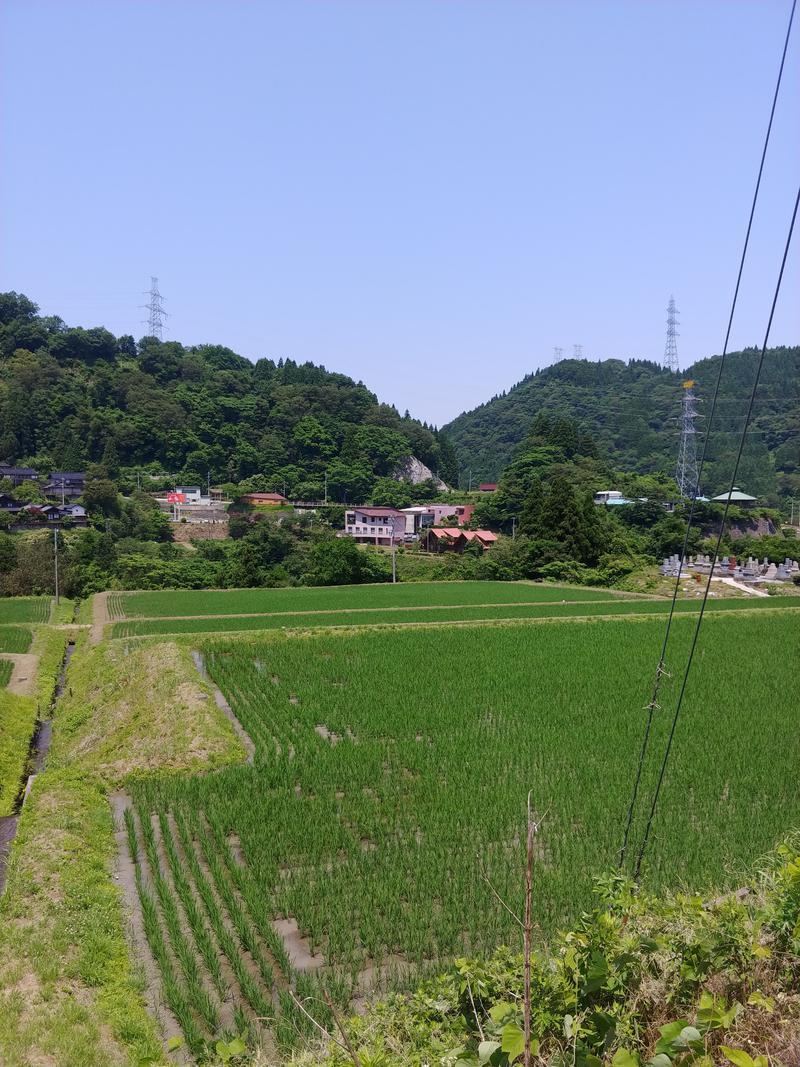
<point x="661" y="666"/>
<point x="734" y="475"/>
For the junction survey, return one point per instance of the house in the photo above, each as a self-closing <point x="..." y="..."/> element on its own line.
<point x="737" y="498"/>
<point x="454" y="539"/>
<point x="419" y="518"/>
<point x="65" y="484"/>
<point x="487" y="487"/>
<point x="18" y="475"/>
<point x="8" y="503"/>
<point x="263" y="499"/>
<point x="189" y="494"/>
<point x="375" y="526"/>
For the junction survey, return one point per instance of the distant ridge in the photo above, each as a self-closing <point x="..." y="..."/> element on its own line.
<point x="631" y="409"/>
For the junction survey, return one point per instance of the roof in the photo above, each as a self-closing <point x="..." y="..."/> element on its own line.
<point x="735" y="494"/>
<point x="4" y="470"/>
<point x="375" y="511"/>
<point x="487" y="487"/>
<point x="454" y="532"/>
<point x="262" y="496"/>
<point x="187" y="488"/>
<point x="72" y="475"/>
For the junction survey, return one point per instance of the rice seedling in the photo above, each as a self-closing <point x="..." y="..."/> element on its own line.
<point x="6" y="667"/>
<point x="25" y="609"/>
<point x="15" y="639"/>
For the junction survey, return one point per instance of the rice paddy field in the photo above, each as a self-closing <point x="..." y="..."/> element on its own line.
<point x="6" y="667"/>
<point x="390" y="765"/>
<point x="25" y="609"/>
<point x="182" y="602"/>
<point x="575" y="603"/>
<point x="15" y="639"/>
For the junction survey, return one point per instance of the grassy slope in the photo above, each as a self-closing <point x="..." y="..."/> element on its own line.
<point x="68" y="992"/>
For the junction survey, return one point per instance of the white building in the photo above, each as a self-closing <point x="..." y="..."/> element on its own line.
<point x="375" y="526"/>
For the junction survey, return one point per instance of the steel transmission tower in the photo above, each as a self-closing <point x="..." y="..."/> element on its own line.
<point x="671" y="351"/>
<point x="155" y="311"/>
<point x="686" y="474"/>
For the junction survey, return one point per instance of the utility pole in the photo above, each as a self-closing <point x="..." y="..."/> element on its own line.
<point x="671" y="350"/>
<point x="62" y="492"/>
<point x="469" y="483"/>
<point x="139" y="480"/>
<point x="208" y="483"/>
<point x="55" y="560"/>
<point x="686" y="474"/>
<point x="155" y="311"/>
<point x="513" y="527"/>
<point x="326" y="487"/>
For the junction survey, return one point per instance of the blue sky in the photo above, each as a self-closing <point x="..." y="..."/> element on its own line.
<point x="426" y="195"/>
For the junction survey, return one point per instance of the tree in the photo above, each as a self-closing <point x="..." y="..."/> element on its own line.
<point x="100" y="495"/>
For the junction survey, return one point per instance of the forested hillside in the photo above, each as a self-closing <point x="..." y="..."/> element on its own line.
<point x="73" y="396"/>
<point x="631" y="410"/>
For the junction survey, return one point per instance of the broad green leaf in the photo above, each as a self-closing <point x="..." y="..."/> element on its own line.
<point x="513" y="1041"/>
<point x="760" y="1001"/>
<point x="486" y="1050"/>
<point x="660" y="1060"/>
<point x="174" y="1043"/>
<point x="737" y="1056"/>
<point x="501" y="1011"/>
<point x="236" y="1047"/>
<point x="687" y="1036"/>
<point x="624" y="1058"/>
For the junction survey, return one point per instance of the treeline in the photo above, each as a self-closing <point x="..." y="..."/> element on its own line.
<point x="73" y="396"/>
<point x="134" y="550"/>
<point x="632" y="410"/>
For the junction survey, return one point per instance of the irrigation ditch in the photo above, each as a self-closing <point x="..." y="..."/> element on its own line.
<point x="37" y="755"/>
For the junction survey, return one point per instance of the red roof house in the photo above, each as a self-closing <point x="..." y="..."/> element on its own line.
<point x="487" y="487"/>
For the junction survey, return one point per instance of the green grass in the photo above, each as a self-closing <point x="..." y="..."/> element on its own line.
<point x="368" y="836"/>
<point x="169" y="603"/>
<point x="25" y="609"/>
<point x="17" y="722"/>
<point x="15" y="639"/>
<point x="431" y="614"/>
<point x="6" y="667"/>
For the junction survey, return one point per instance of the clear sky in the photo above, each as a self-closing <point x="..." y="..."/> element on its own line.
<point x="429" y="195"/>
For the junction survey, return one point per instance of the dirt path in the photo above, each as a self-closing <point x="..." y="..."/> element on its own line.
<point x="741" y="586"/>
<point x="100" y="617"/>
<point x="23" y="673"/>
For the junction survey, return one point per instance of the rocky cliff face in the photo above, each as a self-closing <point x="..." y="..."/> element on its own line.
<point x="414" y="470"/>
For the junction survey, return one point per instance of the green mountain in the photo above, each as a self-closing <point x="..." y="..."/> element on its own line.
<point x="631" y="409"/>
<point x="74" y="396"/>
